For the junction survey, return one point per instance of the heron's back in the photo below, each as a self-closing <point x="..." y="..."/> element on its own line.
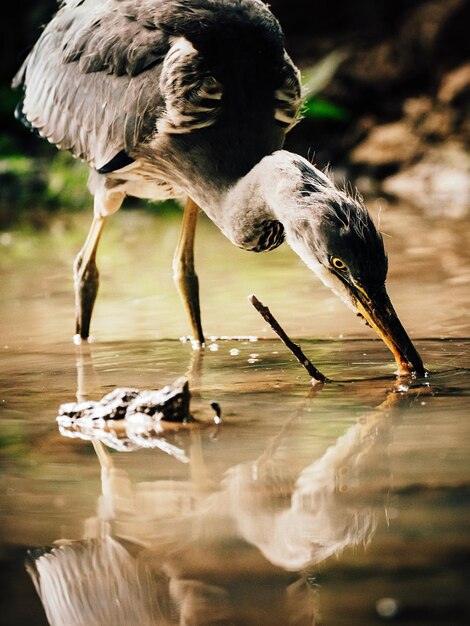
<point x="113" y="77"/>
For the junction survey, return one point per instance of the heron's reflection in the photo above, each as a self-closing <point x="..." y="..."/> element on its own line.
<point x="194" y="553"/>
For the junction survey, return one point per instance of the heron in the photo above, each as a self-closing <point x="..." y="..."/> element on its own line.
<point x="193" y="99"/>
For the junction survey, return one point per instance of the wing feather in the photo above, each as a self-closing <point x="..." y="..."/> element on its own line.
<point x="106" y="75"/>
<point x="85" y="85"/>
<point x="288" y="98"/>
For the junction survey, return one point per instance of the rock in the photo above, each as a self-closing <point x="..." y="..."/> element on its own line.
<point x="416" y="109"/>
<point x="112" y="406"/>
<point x="169" y="403"/>
<point x="439" y="184"/>
<point x="129" y="419"/>
<point x="428" y="120"/>
<point x="388" y="144"/>
<point x="455" y="86"/>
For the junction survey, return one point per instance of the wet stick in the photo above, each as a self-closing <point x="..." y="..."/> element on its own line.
<point x="293" y="347"/>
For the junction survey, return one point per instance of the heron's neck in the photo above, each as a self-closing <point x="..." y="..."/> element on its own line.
<point x="272" y="190"/>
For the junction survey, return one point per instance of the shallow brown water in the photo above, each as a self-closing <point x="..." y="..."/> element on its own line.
<point x="349" y="503"/>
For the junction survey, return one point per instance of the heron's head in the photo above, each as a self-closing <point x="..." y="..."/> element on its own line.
<point x="336" y="237"/>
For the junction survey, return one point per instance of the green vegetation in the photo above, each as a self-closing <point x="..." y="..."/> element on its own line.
<point x="34" y="188"/>
<point x="315" y="79"/>
<point x="319" y="108"/>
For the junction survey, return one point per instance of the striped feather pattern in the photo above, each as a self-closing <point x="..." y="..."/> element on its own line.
<point x="288" y="97"/>
<point x="270" y="236"/>
<point x="192" y="96"/>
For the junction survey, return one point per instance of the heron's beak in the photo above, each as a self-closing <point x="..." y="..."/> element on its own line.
<point x="379" y="313"/>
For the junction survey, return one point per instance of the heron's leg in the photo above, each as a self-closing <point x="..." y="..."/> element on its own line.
<point x="86" y="279"/>
<point x="183" y="270"/>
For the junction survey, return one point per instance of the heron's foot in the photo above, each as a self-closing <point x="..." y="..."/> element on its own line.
<point x="86" y="281"/>
<point x="78" y="340"/>
<point x="196" y="345"/>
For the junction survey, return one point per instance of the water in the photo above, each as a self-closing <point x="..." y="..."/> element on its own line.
<point x="347" y="504"/>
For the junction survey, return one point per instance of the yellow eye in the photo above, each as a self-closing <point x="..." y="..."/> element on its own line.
<point x="338" y="263"/>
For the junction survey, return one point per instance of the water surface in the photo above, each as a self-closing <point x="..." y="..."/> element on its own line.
<point x="346" y="504"/>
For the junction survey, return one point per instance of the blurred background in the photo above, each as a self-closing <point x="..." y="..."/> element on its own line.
<point x="388" y="93"/>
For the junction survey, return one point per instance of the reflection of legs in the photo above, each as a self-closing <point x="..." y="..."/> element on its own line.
<point x="200" y="477"/>
<point x="86" y="279"/>
<point x="183" y="269"/>
<point x="194" y="372"/>
<point x="87" y="382"/>
<point x="87" y="379"/>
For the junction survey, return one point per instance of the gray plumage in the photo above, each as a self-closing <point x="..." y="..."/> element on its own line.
<point x="166" y="98"/>
<point x="113" y="75"/>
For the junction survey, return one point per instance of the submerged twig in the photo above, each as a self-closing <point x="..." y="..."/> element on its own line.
<point x="293" y="347"/>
